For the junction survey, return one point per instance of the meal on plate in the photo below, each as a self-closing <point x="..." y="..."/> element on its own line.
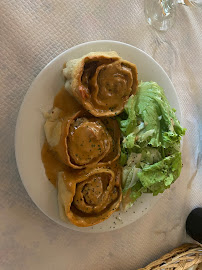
<point x="109" y="139"/>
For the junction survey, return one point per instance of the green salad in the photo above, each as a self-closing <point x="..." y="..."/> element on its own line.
<point x="150" y="147"/>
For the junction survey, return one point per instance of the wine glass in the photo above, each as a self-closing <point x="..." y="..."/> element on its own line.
<point x="161" y="13"/>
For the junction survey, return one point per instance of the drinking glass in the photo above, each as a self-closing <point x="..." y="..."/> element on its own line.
<point x="161" y="13"/>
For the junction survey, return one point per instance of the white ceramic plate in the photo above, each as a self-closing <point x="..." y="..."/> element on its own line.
<point x="30" y="135"/>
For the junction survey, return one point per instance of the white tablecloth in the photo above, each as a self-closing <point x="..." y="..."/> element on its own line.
<point x="32" y="33"/>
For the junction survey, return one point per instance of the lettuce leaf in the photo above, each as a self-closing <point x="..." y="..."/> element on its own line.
<point x="159" y="176"/>
<point x="153" y="178"/>
<point x="149" y="120"/>
<point x="135" y="163"/>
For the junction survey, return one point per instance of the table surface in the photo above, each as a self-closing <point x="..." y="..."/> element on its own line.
<point x="32" y="33"/>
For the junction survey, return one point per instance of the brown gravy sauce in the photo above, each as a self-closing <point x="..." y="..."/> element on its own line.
<point x="67" y="103"/>
<point x="51" y="164"/>
<point x="64" y="101"/>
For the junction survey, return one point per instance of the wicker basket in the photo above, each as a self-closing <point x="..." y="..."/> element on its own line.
<point x="183" y="257"/>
